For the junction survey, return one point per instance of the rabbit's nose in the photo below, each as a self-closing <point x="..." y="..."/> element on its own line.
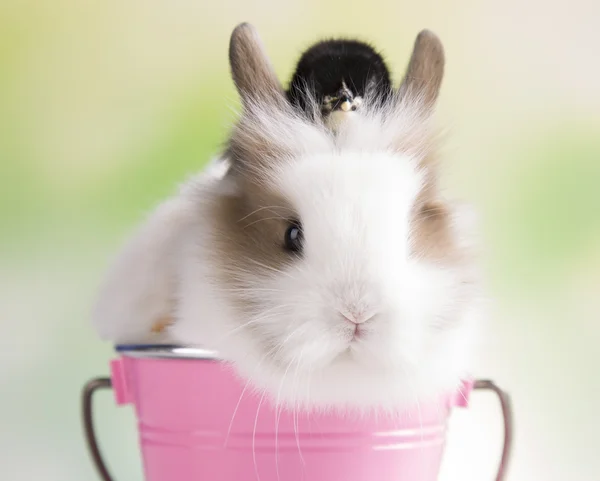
<point x="356" y="317"/>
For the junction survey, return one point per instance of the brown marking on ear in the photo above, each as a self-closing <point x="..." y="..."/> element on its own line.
<point x="425" y="70"/>
<point x="254" y="143"/>
<point x="251" y="68"/>
<point x="416" y="98"/>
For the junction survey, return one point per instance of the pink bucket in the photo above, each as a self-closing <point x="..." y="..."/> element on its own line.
<point x="198" y="422"/>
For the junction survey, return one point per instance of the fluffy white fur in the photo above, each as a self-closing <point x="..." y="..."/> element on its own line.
<point x="141" y="284"/>
<point x="353" y="194"/>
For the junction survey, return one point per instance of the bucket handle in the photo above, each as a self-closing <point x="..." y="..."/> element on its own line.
<point x="105" y="383"/>
<point x="88" y="424"/>
<point x="507" y="416"/>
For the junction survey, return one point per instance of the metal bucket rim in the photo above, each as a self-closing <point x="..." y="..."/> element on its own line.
<point x="166" y="351"/>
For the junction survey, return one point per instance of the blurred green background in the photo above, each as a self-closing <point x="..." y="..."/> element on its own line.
<point x="105" y="106"/>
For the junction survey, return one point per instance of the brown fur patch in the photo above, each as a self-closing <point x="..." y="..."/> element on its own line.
<point x="249" y="233"/>
<point x="433" y="236"/>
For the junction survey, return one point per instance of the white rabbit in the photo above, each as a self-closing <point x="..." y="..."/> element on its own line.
<point x="326" y="265"/>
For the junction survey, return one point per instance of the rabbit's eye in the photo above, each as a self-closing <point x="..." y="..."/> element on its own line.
<point x="293" y="238"/>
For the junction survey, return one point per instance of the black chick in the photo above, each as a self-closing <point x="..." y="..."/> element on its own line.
<point x="337" y="74"/>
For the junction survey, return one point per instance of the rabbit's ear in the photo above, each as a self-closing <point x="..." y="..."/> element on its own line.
<point x="251" y="69"/>
<point x="425" y="71"/>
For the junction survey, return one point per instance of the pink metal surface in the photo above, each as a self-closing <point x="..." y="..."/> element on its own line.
<point x="195" y="424"/>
